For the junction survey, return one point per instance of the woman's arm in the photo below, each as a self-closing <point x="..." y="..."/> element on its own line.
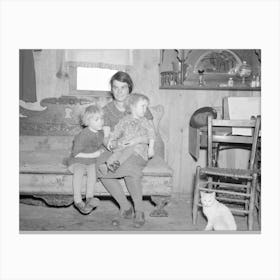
<point x="107" y="131"/>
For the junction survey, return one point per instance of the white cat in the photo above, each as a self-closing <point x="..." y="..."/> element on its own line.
<point x="218" y="215"/>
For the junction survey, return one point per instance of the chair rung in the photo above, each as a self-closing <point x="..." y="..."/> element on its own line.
<point x="239" y="210"/>
<point x="226" y="184"/>
<point x="228" y="172"/>
<point x="231" y="199"/>
<point x="225" y="192"/>
<point x="234" y="210"/>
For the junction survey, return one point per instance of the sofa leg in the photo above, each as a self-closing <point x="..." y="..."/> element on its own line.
<point x="56" y="199"/>
<point x="160" y="202"/>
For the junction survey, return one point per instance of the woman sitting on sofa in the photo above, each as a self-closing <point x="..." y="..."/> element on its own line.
<point x="131" y="169"/>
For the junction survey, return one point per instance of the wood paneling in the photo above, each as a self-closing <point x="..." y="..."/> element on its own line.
<point x="178" y="105"/>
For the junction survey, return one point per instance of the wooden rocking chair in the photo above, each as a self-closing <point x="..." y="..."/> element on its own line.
<point x="232" y="186"/>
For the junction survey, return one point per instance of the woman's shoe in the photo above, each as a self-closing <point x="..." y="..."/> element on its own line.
<point x="139" y="219"/>
<point x="128" y="214"/>
<point x="116" y="222"/>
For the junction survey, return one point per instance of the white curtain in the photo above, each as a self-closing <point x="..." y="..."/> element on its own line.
<point x="109" y="58"/>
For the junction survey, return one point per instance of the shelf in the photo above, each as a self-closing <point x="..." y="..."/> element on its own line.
<point x="182" y="87"/>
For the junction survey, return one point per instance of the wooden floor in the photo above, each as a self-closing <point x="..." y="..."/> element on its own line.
<point x="34" y="218"/>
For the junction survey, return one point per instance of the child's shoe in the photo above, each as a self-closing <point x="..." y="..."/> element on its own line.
<point x="139" y="219"/>
<point x="91" y="203"/>
<point x="111" y="167"/>
<point x="80" y="206"/>
<point x="114" y="166"/>
<point x="116" y="221"/>
<point x="103" y="168"/>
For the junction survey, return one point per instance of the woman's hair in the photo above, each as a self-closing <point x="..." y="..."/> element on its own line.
<point x="122" y="77"/>
<point x="135" y="97"/>
<point x="90" y="111"/>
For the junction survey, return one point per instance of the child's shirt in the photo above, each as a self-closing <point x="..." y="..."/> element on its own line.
<point x="112" y="115"/>
<point x="86" y="141"/>
<point x="129" y="128"/>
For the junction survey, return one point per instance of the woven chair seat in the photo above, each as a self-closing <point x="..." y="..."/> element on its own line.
<point x="228" y="172"/>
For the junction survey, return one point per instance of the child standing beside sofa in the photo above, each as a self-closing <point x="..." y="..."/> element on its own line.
<point x="87" y="147"/>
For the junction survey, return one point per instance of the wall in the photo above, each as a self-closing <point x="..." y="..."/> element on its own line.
<point x="47" y="85"/>
<point x="48" y="63"/>
<point x="179" y="106"/>
<point x="109" y="56"/>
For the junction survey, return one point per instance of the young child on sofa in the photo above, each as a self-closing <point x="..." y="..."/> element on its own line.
<point x="87" y="147"/>
<point x="129" y="129"/>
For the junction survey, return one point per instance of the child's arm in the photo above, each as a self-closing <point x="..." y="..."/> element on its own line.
<point x="106" y="130"/>
<point x="151" y="149"/>
<point x="79" y="150"/>
<point x="90" y="155"/>
<point x="151" y="137"/>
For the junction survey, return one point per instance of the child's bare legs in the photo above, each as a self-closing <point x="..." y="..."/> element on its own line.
<point x="91" y="180"/>
<point x="91" y="202"/>
<point x="78" y="173"/>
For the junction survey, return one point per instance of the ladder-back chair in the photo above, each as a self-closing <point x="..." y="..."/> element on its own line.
<point x="232" y="186"/>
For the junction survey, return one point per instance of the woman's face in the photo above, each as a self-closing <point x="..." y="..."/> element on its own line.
<point x="120" y="90"/>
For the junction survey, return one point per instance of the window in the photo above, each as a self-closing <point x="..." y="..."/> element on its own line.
<point x="96" y="79"/>
<point x="91" y="70"/>
<point x="89" y="79"/>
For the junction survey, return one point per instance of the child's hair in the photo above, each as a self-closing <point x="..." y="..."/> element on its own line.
<point x="90" y="111"/>
<point x="124" y="78"/>
<point x="135" y="97"/>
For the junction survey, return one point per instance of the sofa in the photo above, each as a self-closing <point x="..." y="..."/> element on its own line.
<point x="45" y="141"/>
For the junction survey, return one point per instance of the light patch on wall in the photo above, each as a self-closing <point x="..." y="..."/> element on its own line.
<point x="94" y="78"/>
